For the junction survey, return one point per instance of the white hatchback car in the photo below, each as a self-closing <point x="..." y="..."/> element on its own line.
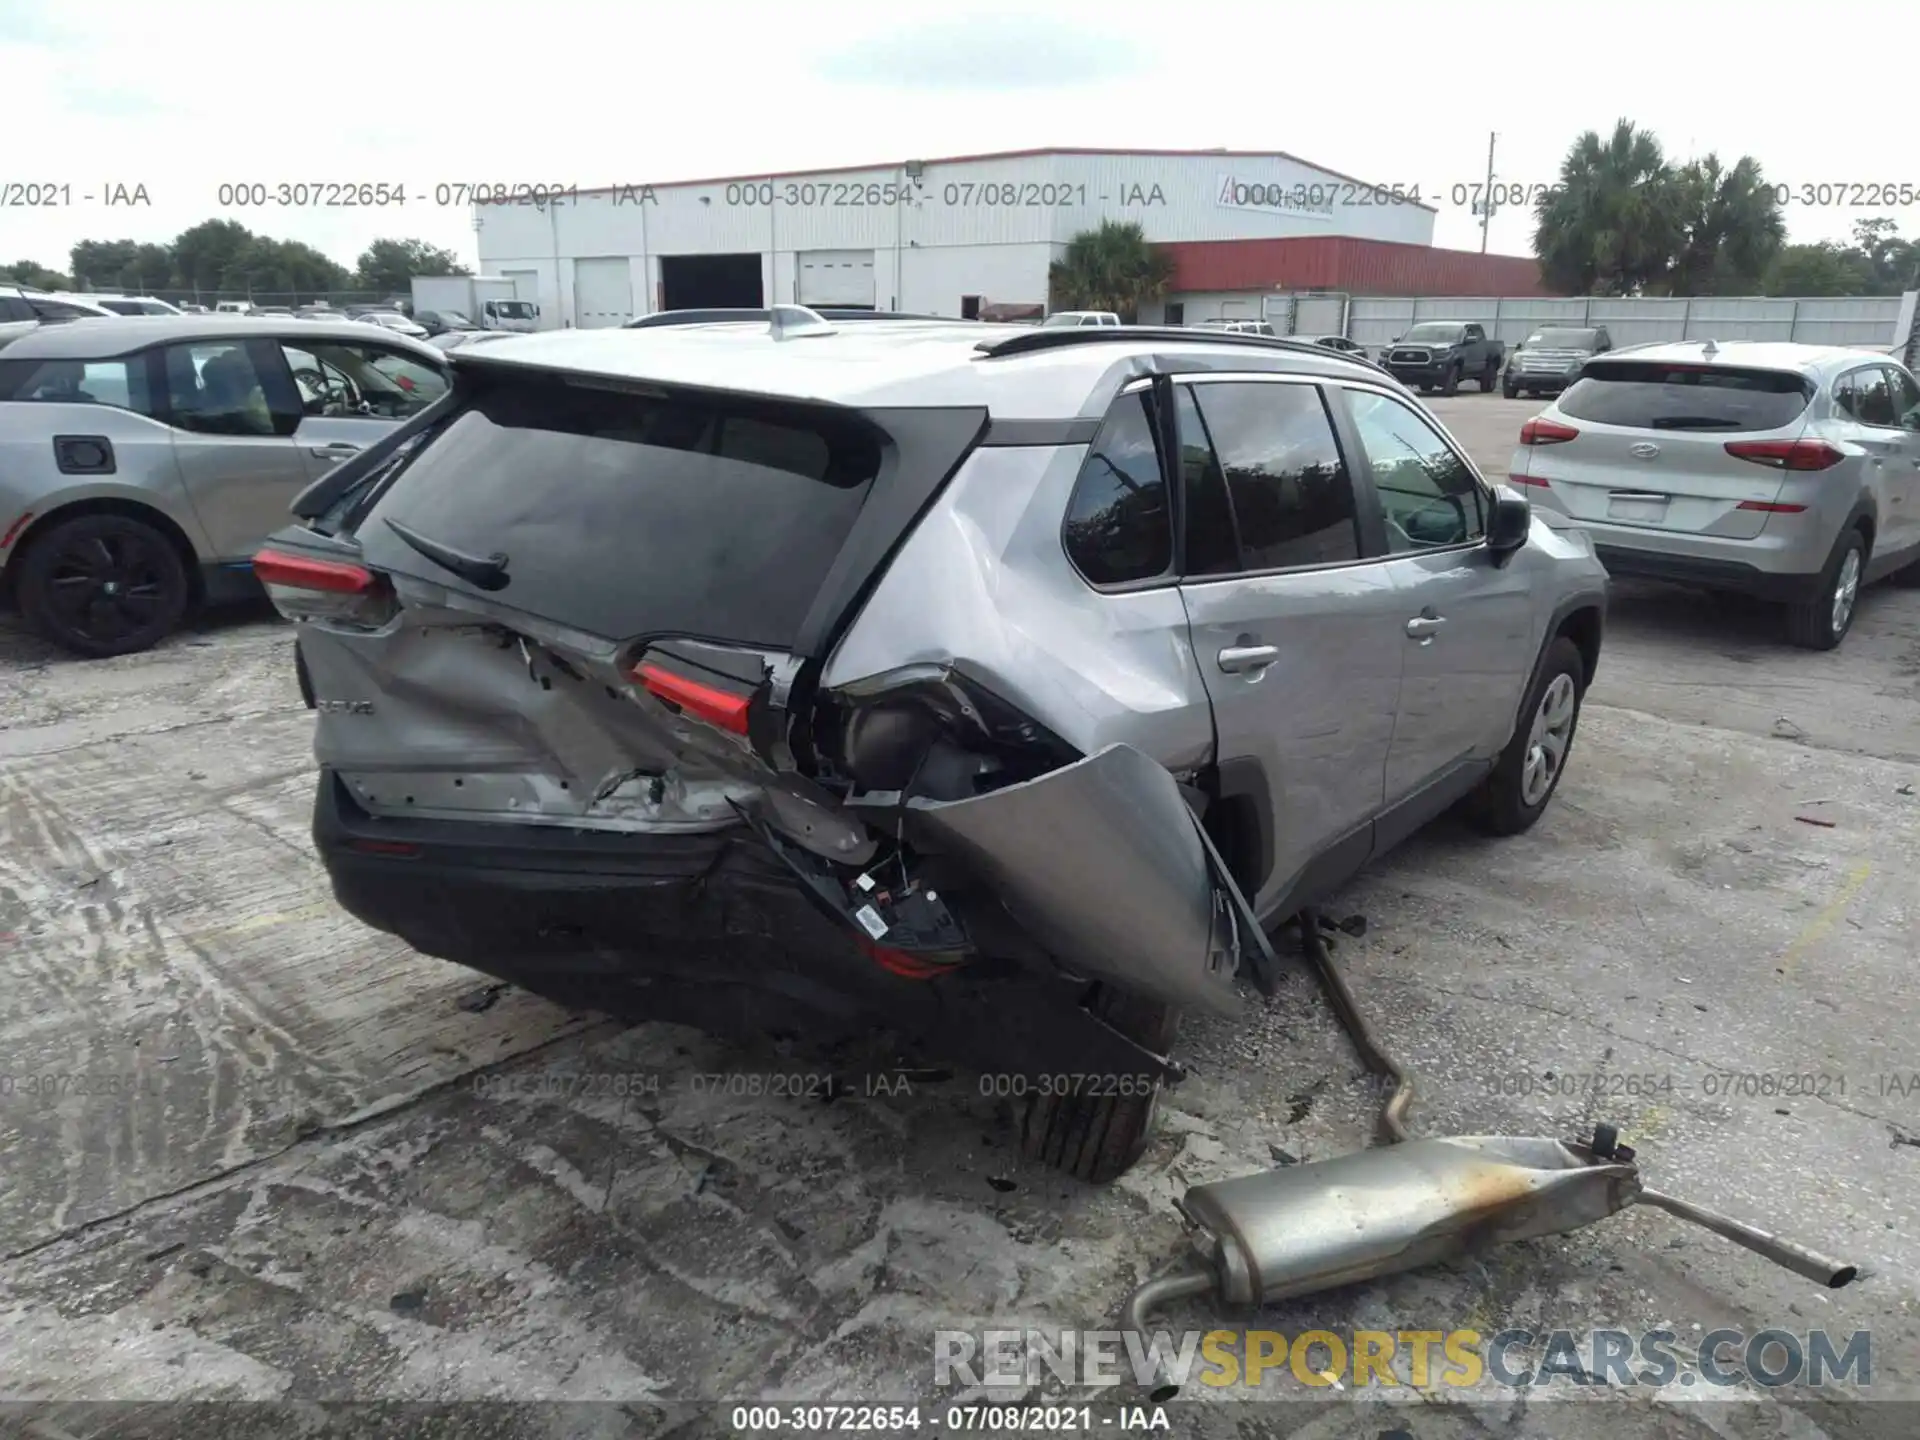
<point x="1787" y="472"/>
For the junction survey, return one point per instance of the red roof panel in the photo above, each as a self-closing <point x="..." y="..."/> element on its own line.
<point x="1343" y="263"/>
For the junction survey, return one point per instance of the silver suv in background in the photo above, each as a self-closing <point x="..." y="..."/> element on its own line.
<point x="143" y="460"/>
<point x="1788" y="472"/>
<point x="1550" y="359"/>
<point x="801" y="678"/>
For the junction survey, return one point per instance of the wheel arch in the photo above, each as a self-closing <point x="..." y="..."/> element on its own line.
<point x="133" y="509"/>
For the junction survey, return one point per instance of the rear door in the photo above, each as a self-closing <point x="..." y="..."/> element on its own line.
<point x="1297" y="624"/>
<point x="1875" y="408"/>
<point x="233" y="414"/>
<point x="1650" y="445"/>
<point x="1468" y="622"/>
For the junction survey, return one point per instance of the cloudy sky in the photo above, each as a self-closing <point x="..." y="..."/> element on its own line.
<point x="182" y="98"/>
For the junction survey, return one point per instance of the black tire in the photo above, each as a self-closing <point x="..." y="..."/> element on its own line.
<point x="101" y="585"/>
<point x="1425" y="388"/>
<point x="1500" y="806"/>
<point x="1098" y="1137"/>
<point x="1450" y="382"/>
<point x="1510" y="390"/>
<point x="1810" y="622"/>
<point x="303" y="676"/>
<point x="1489" y="378"/>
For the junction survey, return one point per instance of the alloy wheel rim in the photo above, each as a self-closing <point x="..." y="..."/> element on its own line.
<point x="1547" y="742"/>
<point x="106" y="587"/>
<point x="1846" y="588"/>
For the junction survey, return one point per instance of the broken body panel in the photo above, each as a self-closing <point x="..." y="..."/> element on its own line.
<point x="941" y="814"/>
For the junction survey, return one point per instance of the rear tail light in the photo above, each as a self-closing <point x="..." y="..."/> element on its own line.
<point x="1541" y="431"/>
<point x="334" y="591"/>
<point x="1529" y="480"/>
<point x="1786" y="454"/>
<point x="703" y="702"/>
<point x="1769" y="508"/>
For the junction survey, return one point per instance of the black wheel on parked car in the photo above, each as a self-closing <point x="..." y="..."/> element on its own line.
<point x="101" y="585"/>
<point x="1528" y="771"/>
<point x="1098" y="1135"/>
<point x="1822" y="622"/>
<point x="1509" y="389"/>
<point x="302" y="676"/>
<point x="1450" y="382"/>
<point x="1490" y="377"/>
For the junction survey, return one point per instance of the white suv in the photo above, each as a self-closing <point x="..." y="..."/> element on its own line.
<point x="1788" y="472"/>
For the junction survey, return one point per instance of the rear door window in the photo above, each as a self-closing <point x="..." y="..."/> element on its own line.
<point x="1287" y="487"/>
<point x="1649" y="395"/>
<point x="119" y="383"/>
<point x="626" y="515"/>
<point x="1118" y="528"/>
<point x="1876" y="399"/>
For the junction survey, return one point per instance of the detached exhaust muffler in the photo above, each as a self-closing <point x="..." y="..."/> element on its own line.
<point x="1284" y="1233"/>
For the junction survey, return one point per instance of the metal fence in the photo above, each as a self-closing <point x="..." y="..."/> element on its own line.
<point x="288" y="298"/>
<point x="1870" y="321"/>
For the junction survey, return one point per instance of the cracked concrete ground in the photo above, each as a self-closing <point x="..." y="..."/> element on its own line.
<point x="250" y="1150"/>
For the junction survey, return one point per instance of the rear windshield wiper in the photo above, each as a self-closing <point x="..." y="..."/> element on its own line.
<point x="487" y="573"/>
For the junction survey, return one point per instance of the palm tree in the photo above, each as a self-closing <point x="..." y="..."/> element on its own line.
<point x="1112" y="268"/>
<point x="1612" y="225"/>
<point x="1732" y="228"/>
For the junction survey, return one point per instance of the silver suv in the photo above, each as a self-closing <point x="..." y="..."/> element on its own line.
<point x="144" y="459"/>
<point x="1788" y="472"/>
<point x="998" y="689"/>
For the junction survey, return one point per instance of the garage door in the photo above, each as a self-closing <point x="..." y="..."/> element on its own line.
<point x="602" y="293"/>
<point x="836" y="277"/>
<point x="1319" y="314"/>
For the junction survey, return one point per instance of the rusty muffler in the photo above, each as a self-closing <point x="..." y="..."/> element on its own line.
<point x="1409" y="1203"/>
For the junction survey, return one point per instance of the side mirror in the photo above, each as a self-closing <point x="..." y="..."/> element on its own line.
<point x="1509" y="524"/>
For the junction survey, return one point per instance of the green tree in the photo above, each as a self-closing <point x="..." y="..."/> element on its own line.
<point x="202" y="255"/>
<point x="1895" y="262"/>
<point x="1824" y="268"/>
<point x="1731" y="228"/>
<point x="1613" y="225"/>
<point x="1112" y="268"/>
<point x="388" y="266"/>
<point x="35" y="275"/>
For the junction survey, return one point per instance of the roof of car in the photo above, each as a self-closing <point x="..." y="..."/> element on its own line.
<point x="1818" y="360"/>
<point x="102" y="338"/>
<point x="900" y="362"/>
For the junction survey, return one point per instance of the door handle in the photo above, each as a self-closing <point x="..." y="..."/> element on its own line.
<point x="337" y="451"/>
<point x="1424" y="626"/>
<point x="1236" y="659"/>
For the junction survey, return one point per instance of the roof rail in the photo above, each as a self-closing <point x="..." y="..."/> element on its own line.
<point x="718" y="316"/>
<point x="1028" y="341"/>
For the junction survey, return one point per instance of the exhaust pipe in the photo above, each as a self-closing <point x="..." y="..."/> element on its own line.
<point x="1409" y="1203"/>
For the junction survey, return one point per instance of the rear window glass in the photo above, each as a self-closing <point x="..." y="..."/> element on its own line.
<point x="1651" y="396"/>
<point x="624" y="515"/>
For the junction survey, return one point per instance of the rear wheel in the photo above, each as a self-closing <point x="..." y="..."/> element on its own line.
<point x="1097" y="1137"/>
<point x="1822" y="622"/>
<point x="1510" y="390"/>
<point x="1450" y="382"/>
<point x="1529" y="769"/>
<point x="101" y="585"/>
<point x="1489" y="378"/>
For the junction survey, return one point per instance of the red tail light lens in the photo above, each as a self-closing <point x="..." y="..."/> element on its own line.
<point x="1786" y="454"/>
<point x="1767" y="507"/>
<point x="1540" y="431"/>
<point x="716" y="707"/>
<point x="304" y="588"/>
<point x="1529" y="480"/>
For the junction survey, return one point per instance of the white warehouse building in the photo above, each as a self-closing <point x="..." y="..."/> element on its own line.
<point x="966" y="236"/>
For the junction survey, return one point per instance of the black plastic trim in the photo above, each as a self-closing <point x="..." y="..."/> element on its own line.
<point x="63" y="456"/>
<point x="1077" y="431"/>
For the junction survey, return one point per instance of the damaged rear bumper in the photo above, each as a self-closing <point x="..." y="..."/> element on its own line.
<point x="707" y="929"/>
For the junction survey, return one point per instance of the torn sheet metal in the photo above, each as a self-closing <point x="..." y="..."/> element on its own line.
<point x="1106" y="864"/>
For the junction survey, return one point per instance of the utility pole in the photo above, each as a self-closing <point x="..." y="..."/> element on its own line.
<point x="1486" y="196"/>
